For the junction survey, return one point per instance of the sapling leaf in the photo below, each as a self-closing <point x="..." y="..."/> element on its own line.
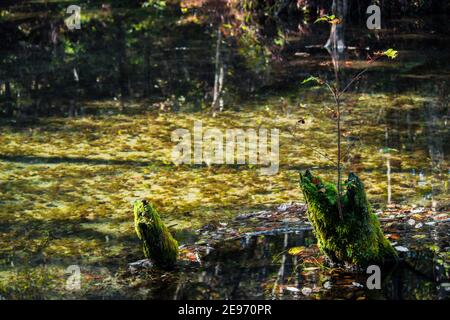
<point x="312" y="79"/>
<point x="388" y="150"/>
<point x="294" y="251"/>
<point x="326" y="18"/>
<point x="391" y="53"/>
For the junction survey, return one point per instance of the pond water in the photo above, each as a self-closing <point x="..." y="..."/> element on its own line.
<point x="261" y="267"/>
<point x="85" y="129"/>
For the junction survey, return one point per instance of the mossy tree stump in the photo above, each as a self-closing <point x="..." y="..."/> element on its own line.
<point x="357" y="238"/>
<point x="158" y="244"/>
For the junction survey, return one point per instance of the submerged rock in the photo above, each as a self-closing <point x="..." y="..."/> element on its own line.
<point x="140" y="265"/>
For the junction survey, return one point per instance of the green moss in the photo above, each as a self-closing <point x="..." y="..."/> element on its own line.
<point x="357" y="239"/>
<point x="158" y="243"/>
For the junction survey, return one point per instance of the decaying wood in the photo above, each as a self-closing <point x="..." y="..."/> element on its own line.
<point x="158" y="244"/>
<point x="357" y="239"/>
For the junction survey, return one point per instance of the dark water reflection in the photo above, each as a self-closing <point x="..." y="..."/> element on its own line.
<point x="129" y="52"/>
<point x="261" y="268"/>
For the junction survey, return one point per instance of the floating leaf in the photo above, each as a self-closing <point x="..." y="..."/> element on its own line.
<point x="311" y="269"/>
<point x="306" y="291"/>
<point x="401" y="249"/>
<point x="393" y="236"/>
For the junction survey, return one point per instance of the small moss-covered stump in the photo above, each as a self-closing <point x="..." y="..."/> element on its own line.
<point x="158" y="244"/>
<point x="356" y="239"/>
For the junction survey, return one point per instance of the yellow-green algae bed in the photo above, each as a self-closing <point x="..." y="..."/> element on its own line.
<point x="68" y="184"/>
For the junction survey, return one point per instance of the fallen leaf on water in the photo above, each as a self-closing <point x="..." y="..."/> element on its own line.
<point x="302" y="54"/>
<point x="393" y="236"/>
<point x="446" y="286"/>
<point x="311" y="269"/>
<point x="418" y="210"/>
<point x="401" y="249"/>
<point x="306" y="291"/>
<point x="441" y="216"/>
<point x="292" y="289"/>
